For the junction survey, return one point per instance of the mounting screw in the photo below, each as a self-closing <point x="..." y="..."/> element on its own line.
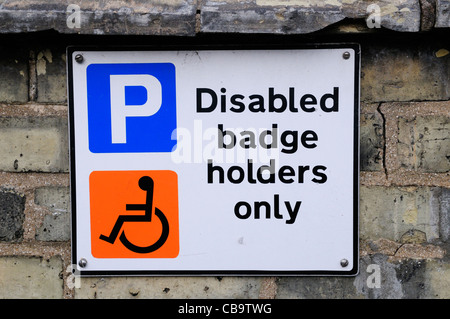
<point x="344" y="262"/>
<point x="346" y="55"/>
<point x="82" y="263"/>
<point x="79" y="58"/>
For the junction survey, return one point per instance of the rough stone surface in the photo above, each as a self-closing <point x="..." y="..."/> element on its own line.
<point x="413" y="236"/>
<point x="13" y="75"/>
<point x="371" y="142"/>
<point x="12" y="207"/>
<point x="438" y="277"/>
<point x="179" y="17"/>
<point x="415" y="73"/>
<point x="442" y="14"/>
<point x="428" y="14"/>
<point x="379" y="278"/>
<point x="252" y="17"/>
<point x="404" y="279"/>
<point x="316" y="288"/>
<point x="51" y="75"/>
<point x="162" y="17"/>
<point x="424" y="143"/>
<point x="30" y="277"/>
<point x="304" y="16"/>
<point x="56" y="224"/>
<point x="444" y="202"/>
<point x="34" y="144"/>
<point x="169" y="287"/>
<point x="390" y="212"/>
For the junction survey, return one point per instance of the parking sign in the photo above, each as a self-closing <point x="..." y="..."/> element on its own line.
<point x="124" y="97"/>
<point x="214" y="162"/>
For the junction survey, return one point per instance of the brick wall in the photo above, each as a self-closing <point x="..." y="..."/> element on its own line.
<point x="404" y="181"/>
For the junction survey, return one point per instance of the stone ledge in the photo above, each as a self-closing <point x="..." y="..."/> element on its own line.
<point x="162" y="17"/>
<point x="188" y="17"/>
<point x="303" y="16"/>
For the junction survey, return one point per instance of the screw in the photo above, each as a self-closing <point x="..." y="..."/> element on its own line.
<point x="79" y="58"/>
<point x="82" y="263"/>
<point x="344" y="262"/>
<point x="346" y="55"/>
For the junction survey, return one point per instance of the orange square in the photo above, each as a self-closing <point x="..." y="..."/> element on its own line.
<point x="134" y="214"/>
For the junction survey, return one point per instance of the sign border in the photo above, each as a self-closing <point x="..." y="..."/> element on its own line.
<point x="195" y="47"/>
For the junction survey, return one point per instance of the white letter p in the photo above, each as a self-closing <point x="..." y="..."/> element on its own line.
<point x="120" y="111"/>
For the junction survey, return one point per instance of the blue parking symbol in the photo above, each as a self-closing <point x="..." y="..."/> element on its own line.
<point x="131" y="107"/>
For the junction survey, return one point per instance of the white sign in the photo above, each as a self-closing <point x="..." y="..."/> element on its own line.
<point x="215" y="161"/>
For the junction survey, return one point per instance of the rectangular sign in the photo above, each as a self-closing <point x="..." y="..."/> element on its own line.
<point x="214" y="161"/>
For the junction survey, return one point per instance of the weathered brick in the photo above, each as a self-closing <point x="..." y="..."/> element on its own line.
<point x="12" y="207"/>
<point x="428" y="14"/>
<point x="379" y="278"/>
<point x="401" y="279"/>
<point x="371" y="142"/>
<point x="31" y="277"/>
<point x="437" y="279"/>
<point x="51" y="75"/>
<point x="169" y="287"/>
<point x="415" y="73"/>
<point x="441" y="199"/>
<point x="391" y="212"/>
<point x="424" y="143"/>
<point x="442" y="13"/>
<point x="316" y="288"/>
<point x="56" y="225"/>
<point x="13" y="75"/>
<point x="37" y="144"/>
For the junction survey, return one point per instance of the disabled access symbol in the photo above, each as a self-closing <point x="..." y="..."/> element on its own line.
<point x="134" y="214"/>
<point x="146" y="184"/>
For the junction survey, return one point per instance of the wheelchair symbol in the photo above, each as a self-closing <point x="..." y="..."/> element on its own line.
<point x="146" y="184"/>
